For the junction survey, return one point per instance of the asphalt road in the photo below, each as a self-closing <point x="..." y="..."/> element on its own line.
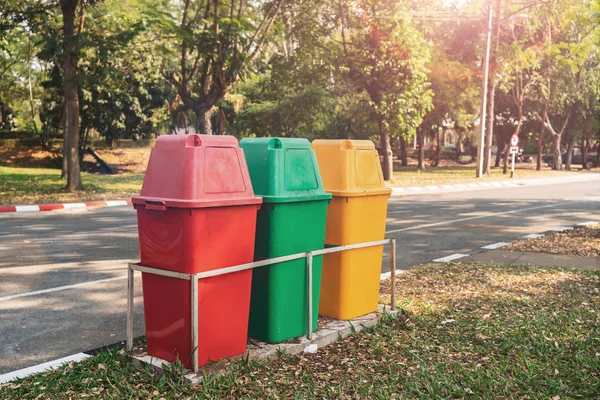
<point x="41" y="253"/>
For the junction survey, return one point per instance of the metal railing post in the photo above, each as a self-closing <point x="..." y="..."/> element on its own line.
<point x="194" y="307"/>
<point x="194" y="279"/>
<point x="393" y="273"/>
<point x="309" y="296"/>
<point x="130" y="286"/>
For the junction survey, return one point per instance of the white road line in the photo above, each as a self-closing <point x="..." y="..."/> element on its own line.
<point x="59" y="288"/>
<point x="27" y="208"/>
<point x="448" y="186"/>
<point x="412" y="228"/>
<point x="461" y="185"/>
<point x="450" y="257"/>
<point x="561" y="229"/>
<point x="495" y="245"/>
<point x="25" y="372"/>
<point x="416" y="188"/>
<point x="432" y="187"/>
<point x="532" y="236"/>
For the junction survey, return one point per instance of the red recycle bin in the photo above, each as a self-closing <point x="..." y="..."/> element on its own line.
<point x="196" y="212"/>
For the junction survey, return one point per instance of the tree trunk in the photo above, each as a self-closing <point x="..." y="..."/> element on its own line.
<point x="421" y="142"/>
<point x="403" y="155"/>
<point x="540" y="148"/>
<point x="63" y="174"/>
<point x="569" y="155"/>
<point x="584" y="146"/>
<point x="436" y="160"/>
<point x="500" y="144"/>
<point x="386" y="147"/>
<point x="31" y="106"/>
<point x="71" y="54"/>
<point x="487" y="152"/>
<point x="506" y="156"/>
<point x="203" y="121"/>
<point x="557" y="157"/>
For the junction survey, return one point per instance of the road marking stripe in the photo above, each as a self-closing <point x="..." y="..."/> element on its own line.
<point x="432" y="187"/>
<point x="450" y="257"/>
<point x="461" y="185"/>
<point x="59" y="288"/>
<point x="532" y="236"/>
<point x="25" y="372"/>
<point x="416" y="188"/>
<point x="27" y="208"/>
<point x="411" y="228"/>
<point x="496" y="183"/>
<point x="448" y="186"/>
<point x="495" y="245"/>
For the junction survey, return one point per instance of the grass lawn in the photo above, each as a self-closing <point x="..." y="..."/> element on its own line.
<point x="409" y="176"/>
<point x="468" y="331"/>
<point x="43" y="185"/>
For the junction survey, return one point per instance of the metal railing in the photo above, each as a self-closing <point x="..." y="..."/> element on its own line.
<point x="194" y="278"/>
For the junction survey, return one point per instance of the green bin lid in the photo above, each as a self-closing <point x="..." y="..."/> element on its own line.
<point x="283" y="169"/>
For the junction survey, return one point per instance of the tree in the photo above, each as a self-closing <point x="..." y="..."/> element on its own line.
<point x="213" y="43"/>
<point x="385" y="57"/>
<point x="70" y="57"/>
<point x="570" y="56"/>
<point x="522" y="56"/>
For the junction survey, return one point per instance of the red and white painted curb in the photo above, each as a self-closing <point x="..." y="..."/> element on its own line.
<point x="405" y="191"/>
<point x="64" y="206"/>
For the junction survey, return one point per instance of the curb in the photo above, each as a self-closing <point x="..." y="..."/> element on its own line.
<point x="410" y="190"/>
<point x="327" y="336"/>
<point x="499" y="245"/>
<point x="64" y="206"/>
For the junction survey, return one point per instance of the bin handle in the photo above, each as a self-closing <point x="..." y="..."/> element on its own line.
<point x="155" y="205"/>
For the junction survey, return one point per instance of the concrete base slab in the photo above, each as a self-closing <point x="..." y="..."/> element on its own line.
<point x="329" y="330"/>
<point x="508" y="257"/>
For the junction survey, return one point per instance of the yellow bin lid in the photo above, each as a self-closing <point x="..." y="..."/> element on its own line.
<point x="350" y="167"/>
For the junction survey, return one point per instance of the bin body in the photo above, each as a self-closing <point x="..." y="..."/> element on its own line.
<point x="357" y="213"/>
<point x="291" y="220"/>
<point x="196" y="212"/>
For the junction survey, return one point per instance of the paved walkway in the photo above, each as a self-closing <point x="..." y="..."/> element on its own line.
<point x="507" y="257"/>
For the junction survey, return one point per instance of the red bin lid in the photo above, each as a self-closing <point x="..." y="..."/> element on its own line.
<point x="192" y="171"/>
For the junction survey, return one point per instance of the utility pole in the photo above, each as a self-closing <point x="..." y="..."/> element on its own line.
<point x="486" y="71"/>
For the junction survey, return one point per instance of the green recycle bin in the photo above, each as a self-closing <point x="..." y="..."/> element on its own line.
<point x="291" y="220"/>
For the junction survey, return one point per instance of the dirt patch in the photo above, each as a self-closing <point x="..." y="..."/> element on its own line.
<point x="133" y="160"/>
<point x="30" y="157"/>
<point x="582" y="242"/>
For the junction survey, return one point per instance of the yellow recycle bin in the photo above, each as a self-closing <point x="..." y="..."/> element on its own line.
<point x="351" y="172"/>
